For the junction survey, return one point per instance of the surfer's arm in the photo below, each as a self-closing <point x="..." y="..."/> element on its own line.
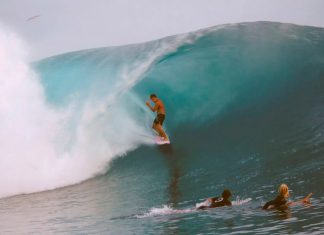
<point x="212" y="199"/>
<point x="152" y="108"/>
<point x="305" y="200"/>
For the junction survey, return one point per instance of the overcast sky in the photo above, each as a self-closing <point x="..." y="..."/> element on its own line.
<point x="68" y="25"/>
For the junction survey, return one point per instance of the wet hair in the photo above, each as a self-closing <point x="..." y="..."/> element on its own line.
<point x="226" y="193"/>
<point x="153" y="96"/>
<point x="284" y="190"/>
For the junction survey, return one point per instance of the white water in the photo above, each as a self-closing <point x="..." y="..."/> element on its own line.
<point x="168" y="210"/>
<point x="43" y="148"/>
<point x="164" y="210"/>
<point x="40" y="147"/>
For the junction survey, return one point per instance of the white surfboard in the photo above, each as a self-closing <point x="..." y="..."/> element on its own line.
<point x="160" y="141"/>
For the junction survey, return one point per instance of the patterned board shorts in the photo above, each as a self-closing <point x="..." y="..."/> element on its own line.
<point x="159" y="119"/>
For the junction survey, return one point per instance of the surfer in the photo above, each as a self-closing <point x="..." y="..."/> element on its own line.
<point x="158" y="121"/>
<point x="214" y="202"/>
<point x="281" y="201"/>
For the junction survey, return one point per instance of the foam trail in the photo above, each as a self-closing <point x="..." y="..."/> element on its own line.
<point x="236" y="202"/>
<point x="164" y="210"/>
<point x="239" y="202"/>
<point x="168" y="210"/>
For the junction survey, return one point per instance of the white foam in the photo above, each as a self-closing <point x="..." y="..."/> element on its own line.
<point x="237" y="202"/>
<point x="164" y="210"/>
<point x="43" y="148"/>
<point x="168" y="210"/>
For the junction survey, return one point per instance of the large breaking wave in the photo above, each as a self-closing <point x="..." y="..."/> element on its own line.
<point x="65" y="118"/>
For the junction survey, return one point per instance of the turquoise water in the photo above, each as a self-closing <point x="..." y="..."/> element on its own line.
<point x="244" y="111"/>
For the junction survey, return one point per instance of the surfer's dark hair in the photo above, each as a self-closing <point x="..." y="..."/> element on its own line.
<point x="153" y="96"/>
<point x="226" y="193"/>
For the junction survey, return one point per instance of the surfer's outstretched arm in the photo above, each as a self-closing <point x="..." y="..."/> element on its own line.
<point x="305" y="200"/>
<point x="281" y="199"/>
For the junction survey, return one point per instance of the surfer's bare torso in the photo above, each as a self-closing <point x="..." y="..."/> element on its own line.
<point x="159" y="107"/>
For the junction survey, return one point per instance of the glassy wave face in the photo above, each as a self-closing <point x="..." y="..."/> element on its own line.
<point x="244" y="111"/>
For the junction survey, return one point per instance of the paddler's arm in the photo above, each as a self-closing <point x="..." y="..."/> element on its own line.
<point x="152" y="108"/>
<point x="305" y="200"/>
<point x="212" y="199"/>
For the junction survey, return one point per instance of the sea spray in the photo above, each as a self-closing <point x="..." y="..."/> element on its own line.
<point x="44" y="145"/>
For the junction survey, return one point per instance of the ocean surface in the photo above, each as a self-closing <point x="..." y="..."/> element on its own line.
<point x="245" y="111"/>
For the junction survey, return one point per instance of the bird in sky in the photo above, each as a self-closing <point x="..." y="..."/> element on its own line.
<point x="33" y="17"/>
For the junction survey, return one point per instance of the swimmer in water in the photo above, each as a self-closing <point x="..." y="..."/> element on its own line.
<point x="281" y="201"/>
<point x="214" y="202"/>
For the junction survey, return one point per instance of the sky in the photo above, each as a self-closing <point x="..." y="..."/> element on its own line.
<point x="69" y="25"/>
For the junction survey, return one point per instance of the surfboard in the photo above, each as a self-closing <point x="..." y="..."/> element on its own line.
<point x="159" y="141"/>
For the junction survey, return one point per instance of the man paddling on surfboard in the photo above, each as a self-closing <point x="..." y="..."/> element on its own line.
<point x="214" y="202"/>
<point x="158" y="121"/>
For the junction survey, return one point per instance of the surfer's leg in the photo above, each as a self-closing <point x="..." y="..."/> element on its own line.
<point x="157" y="127"/>
<point x="161" y="132"/>
<point x="154" y="128"/>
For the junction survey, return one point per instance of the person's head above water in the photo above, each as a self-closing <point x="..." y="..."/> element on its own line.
<point x="153" y="97"/>
<point x="283" y="190"/>
<point x="226" y="194"/>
